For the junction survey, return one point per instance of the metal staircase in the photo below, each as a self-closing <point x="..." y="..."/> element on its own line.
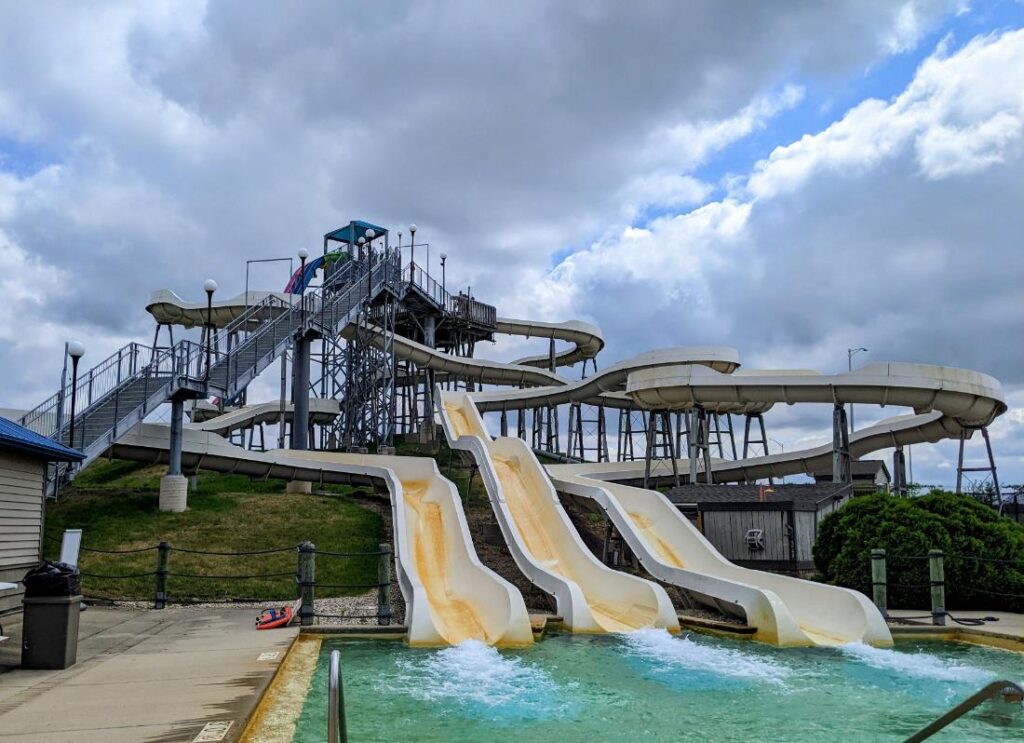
<point x="123" y="389"/>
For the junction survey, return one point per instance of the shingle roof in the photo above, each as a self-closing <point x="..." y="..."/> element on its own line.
<point x="802" y="494"/>
<point x="18" y="438"/>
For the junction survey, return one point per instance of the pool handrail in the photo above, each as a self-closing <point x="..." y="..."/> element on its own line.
<point x="336" y="728"/>
<point x="1006" y="688"/>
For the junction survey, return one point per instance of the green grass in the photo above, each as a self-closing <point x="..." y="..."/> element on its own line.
<point x="115" y="503"/>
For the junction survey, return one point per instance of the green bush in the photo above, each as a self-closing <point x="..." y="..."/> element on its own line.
<point x="906" y="528"/>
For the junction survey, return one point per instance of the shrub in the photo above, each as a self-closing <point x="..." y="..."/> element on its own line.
<point x="906" y="528"/>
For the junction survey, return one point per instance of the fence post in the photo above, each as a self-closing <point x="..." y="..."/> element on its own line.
<point x="163" y="555"/>
<point x="307" y="582"/>
<point x="937" y="575"/>
<point x="384" y="586"/>
<point x="879" y="583"/>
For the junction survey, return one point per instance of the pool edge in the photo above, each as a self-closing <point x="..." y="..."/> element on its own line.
<point x="299" y="662"/>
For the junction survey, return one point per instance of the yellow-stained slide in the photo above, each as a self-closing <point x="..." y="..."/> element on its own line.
<point x="450" y="595"/>
<point x="591" y="597"/>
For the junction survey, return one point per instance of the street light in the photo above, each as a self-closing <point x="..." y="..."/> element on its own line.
<point x="209" y="286"/>
<point x="444" y="257"/>
<point x="76" y="351"/>
<point x="850" y="353"/>
<point x="412" y="243"/>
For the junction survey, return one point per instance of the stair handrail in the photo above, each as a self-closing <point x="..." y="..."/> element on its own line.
<point x="186" y="358"/>
<point x="92" y="384"/>
<point x="337" y="731"/>
<point x="990" y="690"/>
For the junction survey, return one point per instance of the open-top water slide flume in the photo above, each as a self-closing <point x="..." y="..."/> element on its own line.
<point x="450" y="595"/>
<point x="786" y="611"/>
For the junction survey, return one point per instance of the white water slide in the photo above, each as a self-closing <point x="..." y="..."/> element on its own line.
<point x="449" y="595"/>
<point x="786" y="611"/>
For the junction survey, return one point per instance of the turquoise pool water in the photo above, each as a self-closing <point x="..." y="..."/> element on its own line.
<point x="652" y="686"/>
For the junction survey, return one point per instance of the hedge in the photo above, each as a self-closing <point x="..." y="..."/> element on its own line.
<point x="984" y="553"/>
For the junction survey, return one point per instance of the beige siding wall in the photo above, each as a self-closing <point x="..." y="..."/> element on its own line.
<point x="21" y="520"/>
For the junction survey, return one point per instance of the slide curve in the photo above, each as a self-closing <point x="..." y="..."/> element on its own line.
<point x="787" y="611"/>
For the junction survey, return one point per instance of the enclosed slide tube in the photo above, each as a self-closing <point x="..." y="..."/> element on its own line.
<point x="590" y="596"/>
<point x="450" y="596"/>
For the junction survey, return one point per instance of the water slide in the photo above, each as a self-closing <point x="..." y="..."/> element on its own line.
<point x="786" y="611"/>
<point x="591" y="597"/>
<point x="321" y="411"/>
<point x="450" y="595"/>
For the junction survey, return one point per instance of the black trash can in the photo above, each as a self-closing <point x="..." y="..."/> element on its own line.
<point x="52" y="604"/>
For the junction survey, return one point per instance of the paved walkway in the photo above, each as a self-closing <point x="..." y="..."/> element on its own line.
<point x="143" y="676"/>
<point x="1007" y="631"/>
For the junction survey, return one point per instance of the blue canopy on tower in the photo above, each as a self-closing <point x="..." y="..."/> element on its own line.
<point x="354" y="230"/>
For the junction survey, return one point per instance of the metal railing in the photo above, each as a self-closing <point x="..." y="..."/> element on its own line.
<point x="466" y="308"/>
<point x="419" y="277"/>
<point x="127" y="386"/>
<point x="461" y="306"/>
<point x="49" y="415"/>
<point x="337" y="731"/>
<point x="1011" y="692"/>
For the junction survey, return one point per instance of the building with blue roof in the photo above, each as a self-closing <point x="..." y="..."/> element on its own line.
<point x="24" y="458"/>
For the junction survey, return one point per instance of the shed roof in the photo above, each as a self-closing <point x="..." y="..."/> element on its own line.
<point x="803" y="494"/>
<point x="858" y="468"/>
<point x="14" y="437"/>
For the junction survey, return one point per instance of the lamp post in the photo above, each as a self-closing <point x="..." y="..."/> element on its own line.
<point x="303" y="255"/>
<point x="209" y="286"/>
<point x="444" y="257"/>
<point x="412" y="244"/>
<point x="850" y="353"/>
<point x="76" y="351"/>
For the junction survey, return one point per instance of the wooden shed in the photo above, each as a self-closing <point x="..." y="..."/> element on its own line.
<point x="24" y="457"/>
<point x="776" y="533"/>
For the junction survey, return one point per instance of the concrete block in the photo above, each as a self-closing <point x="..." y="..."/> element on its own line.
<point x="173" y="493"/>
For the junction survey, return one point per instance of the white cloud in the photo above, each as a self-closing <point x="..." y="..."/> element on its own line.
<point x="962" y="113"/>
<point x="870" y="232"/>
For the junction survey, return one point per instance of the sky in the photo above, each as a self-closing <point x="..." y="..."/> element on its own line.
<point x="790" y="179"/>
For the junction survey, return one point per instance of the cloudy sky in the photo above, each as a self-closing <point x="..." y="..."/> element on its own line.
<point x="791" y="179"/>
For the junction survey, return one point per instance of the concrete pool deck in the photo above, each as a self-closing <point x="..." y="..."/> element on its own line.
<point x="1006" y="632"/>
<point x="157" y="676"/>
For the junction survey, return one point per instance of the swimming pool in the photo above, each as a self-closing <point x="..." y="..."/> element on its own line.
<point x="649" y="685"/>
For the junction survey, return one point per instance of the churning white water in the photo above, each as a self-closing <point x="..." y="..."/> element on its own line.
<point x="916" y="665"/>
<point x="666" y="653"/>
<point x="475" y="676"/>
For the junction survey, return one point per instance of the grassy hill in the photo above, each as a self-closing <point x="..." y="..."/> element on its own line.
<point x="115" y="503"/>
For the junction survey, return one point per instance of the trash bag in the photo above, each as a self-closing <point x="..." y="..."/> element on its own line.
<point x="52" y="579"/>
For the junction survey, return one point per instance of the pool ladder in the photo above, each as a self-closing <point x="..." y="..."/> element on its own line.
<point x="336" y="731"/>
<point x="1011" y="692"/>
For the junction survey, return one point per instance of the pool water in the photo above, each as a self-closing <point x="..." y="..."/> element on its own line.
<point x="649" y="685"/>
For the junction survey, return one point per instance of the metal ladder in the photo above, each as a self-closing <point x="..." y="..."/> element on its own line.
<point x="1010" y="691"/>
